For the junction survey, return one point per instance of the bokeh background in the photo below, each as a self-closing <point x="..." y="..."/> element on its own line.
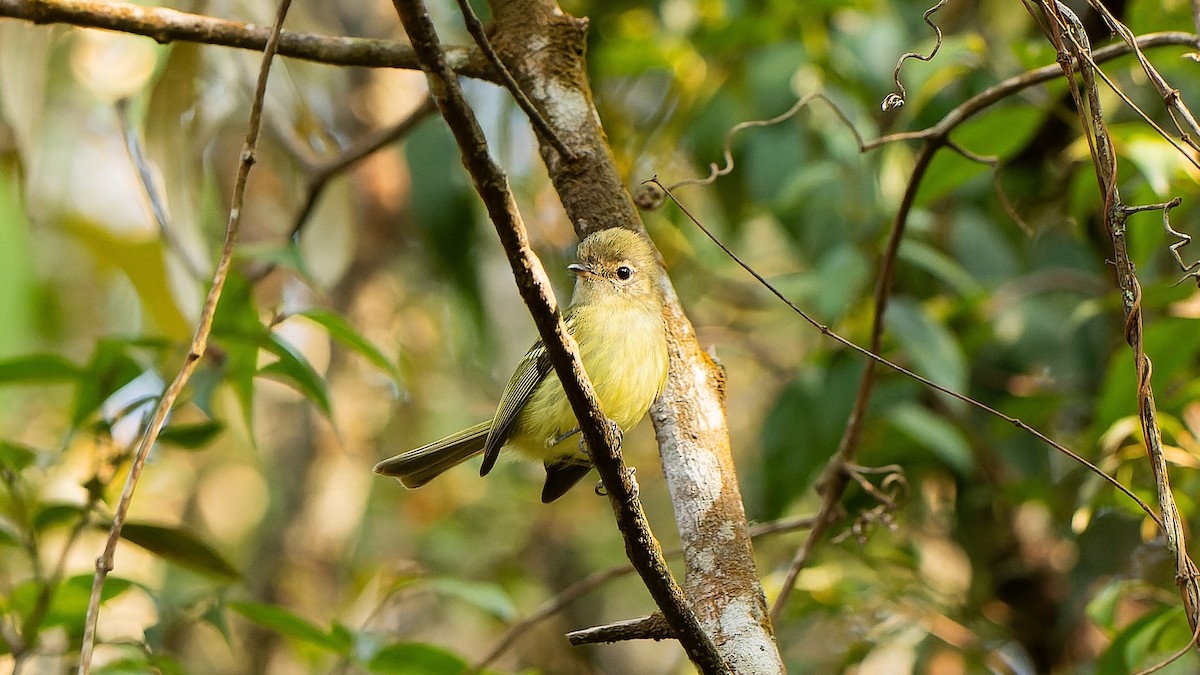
<point x="263" y="543"/>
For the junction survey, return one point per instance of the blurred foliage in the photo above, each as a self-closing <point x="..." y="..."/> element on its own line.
<point x="261" y="541"/>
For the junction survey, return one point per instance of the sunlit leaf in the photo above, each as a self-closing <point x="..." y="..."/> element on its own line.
<point x="134" y="664"/>
<point x="413" y="658"/>
<point x="280" y="620"/>
<point x="16" y="456"/>
<point x="292" y="367"/>
<point x="180" y="547"/>
<point x="342" y="332"/>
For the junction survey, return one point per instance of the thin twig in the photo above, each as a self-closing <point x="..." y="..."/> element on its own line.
<point x="601" y="436"/>
<point x="997" y="187"/>
<point x="833" y="480"/>
<point x="837" y="471"/>
<point x="104" y="564"/>
<point x="320" y="174"/>
<point x="715" y="171"/>
<point x="477" y="31"/>
<point x="830" y="333"/>
<point x="1180" y="114"/>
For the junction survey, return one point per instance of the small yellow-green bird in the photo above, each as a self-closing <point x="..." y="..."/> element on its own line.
<point x="615" y="316"/>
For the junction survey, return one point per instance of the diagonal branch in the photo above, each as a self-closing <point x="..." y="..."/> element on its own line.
<point x="545" y="49"/>
<point x="104" y="564"/>
<point x="477" y="31"/>
<point x="602" y="439"/>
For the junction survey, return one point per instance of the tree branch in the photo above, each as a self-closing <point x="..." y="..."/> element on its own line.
<point x="601" y="436"/>
<point x="689" y="418"/>
<point x="168" y="25"/>
<point x="652" y="627"/>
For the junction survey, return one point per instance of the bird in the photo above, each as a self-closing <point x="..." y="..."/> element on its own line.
<point x="616" y="318"/>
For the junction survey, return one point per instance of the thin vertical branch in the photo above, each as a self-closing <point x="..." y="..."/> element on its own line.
<point x="1068" y="37"/>
<point x="104" y="563"/>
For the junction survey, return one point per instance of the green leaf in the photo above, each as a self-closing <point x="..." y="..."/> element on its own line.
<point x="180" y="547"/>
<point x="135" y="664"/>
<point x="294" y="368"/>
<point x="932" y="350"/>
<point x="1131" y="645"/>
<point x="109" y="369"/>
<point x="190" y="436"/>
<point x="16" y="456"/>
<point x="38" y="368"/>
<point x="801" y="432"/>
<point x="936" y="434"/>
<point x="342" y="332"/>
<point x="68" y="602"/>
<point x="56" y="514"/>
<point x="491" y="598"/>
<point x="947" y="172"/>
<point x="941" y="266"/>
<point x="1102" y="609"/>
<point x="1001" y="131"/>
<point x="414" y="658"/>
<point x="239" y="334"/>
<point x="280" y="620"/>
<point x="216" y="617"/>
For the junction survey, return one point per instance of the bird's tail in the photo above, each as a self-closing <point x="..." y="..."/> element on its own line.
<point x="417" y="467"/>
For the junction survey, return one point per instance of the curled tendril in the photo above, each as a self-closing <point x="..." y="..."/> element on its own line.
<point x="896" y="98"/>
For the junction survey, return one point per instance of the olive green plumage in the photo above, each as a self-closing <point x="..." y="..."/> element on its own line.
<point x="615" y="316"/>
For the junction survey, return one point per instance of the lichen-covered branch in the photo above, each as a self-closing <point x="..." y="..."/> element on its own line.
<point x="602" y="438"/>
<point x="722" y="581"/>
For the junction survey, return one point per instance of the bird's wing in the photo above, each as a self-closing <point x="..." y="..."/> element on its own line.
<point x="529" y="373"/>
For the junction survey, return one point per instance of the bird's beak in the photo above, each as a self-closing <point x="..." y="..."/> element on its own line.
<point x="581" y="270"/>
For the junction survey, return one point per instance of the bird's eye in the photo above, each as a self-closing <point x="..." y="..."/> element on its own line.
<point x="624" y="272"/>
